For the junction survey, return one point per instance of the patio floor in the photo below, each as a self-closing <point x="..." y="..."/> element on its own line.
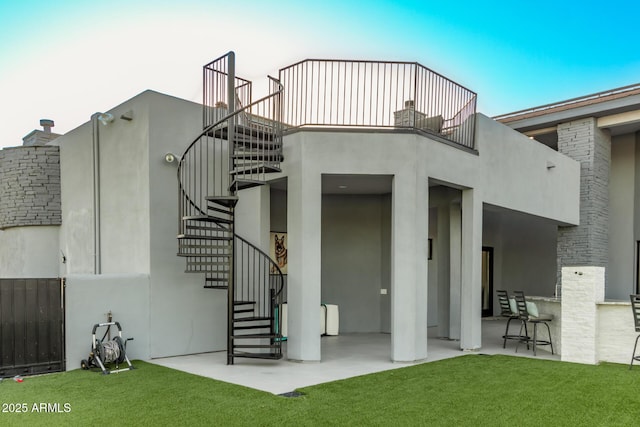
<point x="343" y="356"/>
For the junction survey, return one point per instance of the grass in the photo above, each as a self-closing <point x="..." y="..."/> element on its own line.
<point x="469" y="390"/>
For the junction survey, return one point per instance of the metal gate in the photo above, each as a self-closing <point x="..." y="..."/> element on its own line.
<point x="31" y="326"/>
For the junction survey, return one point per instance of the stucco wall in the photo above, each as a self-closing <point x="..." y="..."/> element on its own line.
<point x="385" y="264"/>
<point x="528" y="255"/>
<point x="184" y="317"/>
<point x="351" y="259"/>
<point x="621" y="268"/>
<point x="514" y="174"/>
<point x="278" y="207"/>
<point x="123" y="194"/>
<point x="510" y="171"/>
<point x="88" y="300"/>
<point x="27" y="252"/>
<point x="636" y="192"/>
<point x="76" y="231"/>
<point x="139" y="217"/>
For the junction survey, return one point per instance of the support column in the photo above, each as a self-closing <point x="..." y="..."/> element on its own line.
<point x="587" y="243"/>
<point x="455" y="266"/>
<point x="253" y="215"/>
<point x="304" y="206"/>
<point x="471" y="301"/>
<point x="409" y="275"/>
<point x="443" y="256"/>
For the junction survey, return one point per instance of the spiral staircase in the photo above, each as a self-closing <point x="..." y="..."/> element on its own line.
<point x="241" y="142"/>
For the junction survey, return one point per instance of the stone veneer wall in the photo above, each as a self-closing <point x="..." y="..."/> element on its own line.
<point x="582" y="290"/>
<point x="592" y="330"/>
<point x="30" y="186"/>
<point x="587" y="243"/>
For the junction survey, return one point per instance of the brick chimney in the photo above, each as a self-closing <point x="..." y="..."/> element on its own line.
<point x="41" y="137"/>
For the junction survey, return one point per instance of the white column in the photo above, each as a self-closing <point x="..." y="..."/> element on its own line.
<point x="471" y="300"/>
<point x="253" y="215"/>
<point x="455" y="266"/>
<point x="304" y="206"/>
<point x="443" y="256"/>
<point x="582" y="289"/>
<point x="409" y="278"/>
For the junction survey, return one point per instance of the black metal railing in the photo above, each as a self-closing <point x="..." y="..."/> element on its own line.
<point x="240" y="143"/>
<point x="377" y="94"/>
<point x="221" y="154"/>
<point x="258" y="137"/>
<point x="258" y="279"/>
<point x="216" y="99"/>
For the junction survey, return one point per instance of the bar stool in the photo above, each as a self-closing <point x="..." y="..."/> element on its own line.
<point x="507" y="311"/>
<point x="533" y="318"/>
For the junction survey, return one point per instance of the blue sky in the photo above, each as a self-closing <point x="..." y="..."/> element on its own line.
<point x="66" y="60"/>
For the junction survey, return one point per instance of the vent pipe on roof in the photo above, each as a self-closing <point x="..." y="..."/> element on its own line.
<point x="47" y="124"/>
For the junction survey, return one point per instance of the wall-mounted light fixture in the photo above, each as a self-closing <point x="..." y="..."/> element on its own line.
<point x="105" y="118"/>
<point x="170" y="158"/>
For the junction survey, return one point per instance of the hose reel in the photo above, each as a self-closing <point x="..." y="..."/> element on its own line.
<point x="109" y="351"/>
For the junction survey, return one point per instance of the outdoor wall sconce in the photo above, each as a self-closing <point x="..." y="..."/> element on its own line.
<point x="105" y="118"/>
<point x="170" y="158"/>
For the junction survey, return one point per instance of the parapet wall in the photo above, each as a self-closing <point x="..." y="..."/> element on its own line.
<point x="30" y="186"/>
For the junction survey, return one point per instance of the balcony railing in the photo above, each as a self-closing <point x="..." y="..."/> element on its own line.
<point x="215" y="96"/>
<point x="340" y="93"/>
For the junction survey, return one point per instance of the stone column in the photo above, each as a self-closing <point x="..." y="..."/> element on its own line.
<point x="587" y="243"/>
<point x="582" y="289"/>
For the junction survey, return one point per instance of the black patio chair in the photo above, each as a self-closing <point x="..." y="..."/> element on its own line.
<point x="508" y="313"/>
<point x="535" y="319"/>
<point x="635" y="307"/>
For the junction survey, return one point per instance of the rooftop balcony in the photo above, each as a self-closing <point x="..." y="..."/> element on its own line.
<point x="378" y="95"/>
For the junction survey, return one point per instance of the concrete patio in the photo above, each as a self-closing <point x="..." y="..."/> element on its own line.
<point x="343" y="356"/>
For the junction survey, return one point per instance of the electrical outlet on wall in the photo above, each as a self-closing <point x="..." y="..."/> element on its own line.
<point x="383" y="291"/>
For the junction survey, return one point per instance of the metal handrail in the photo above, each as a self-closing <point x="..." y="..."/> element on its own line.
<point x="377" y="94"/>
<point x="215" y="77"/>
<point x="228" y="116"/>
<point x="278" y="272"/>
<point x="206" y="131"/>
<point x="231" y="152"/>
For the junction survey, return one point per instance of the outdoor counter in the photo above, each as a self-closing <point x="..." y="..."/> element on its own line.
<point x="553" y="306"/>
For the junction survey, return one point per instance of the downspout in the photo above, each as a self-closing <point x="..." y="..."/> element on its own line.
<point x="97" y="256"/>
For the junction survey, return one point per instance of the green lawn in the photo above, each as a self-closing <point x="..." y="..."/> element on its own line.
<point x="468" y="390"/>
